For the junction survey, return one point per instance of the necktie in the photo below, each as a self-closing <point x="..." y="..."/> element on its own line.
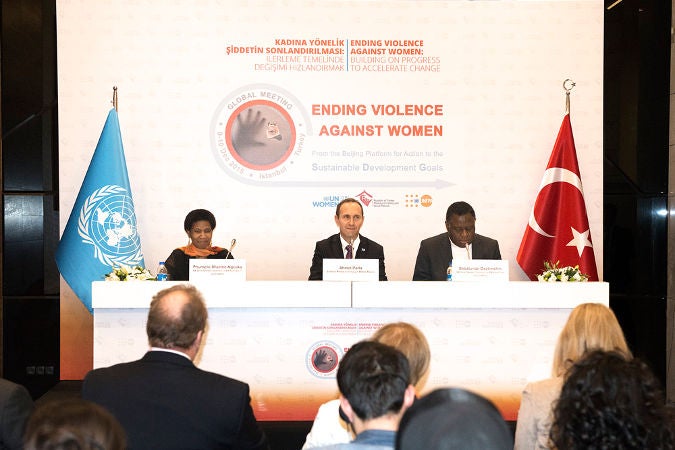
<point x="349" y="251"/>
<point x="468" y="251"/>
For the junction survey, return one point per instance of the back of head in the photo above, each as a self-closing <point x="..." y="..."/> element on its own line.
<point x="453" y="419"/>
<point x="196" y="215"/>
<point x="590" y="326"/>
<point x="74" y="424"/>
<point x="176" y="316"/>
<point x="373" y="377"/>
<point x="610" y="401"/>
<point x="459" y="209"/>
<point x="409" y="340"/>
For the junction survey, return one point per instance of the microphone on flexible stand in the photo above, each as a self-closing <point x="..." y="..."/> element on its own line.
<point x="229" y="251"/>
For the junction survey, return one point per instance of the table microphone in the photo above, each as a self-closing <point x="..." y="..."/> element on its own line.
<point x="229" y="251"/>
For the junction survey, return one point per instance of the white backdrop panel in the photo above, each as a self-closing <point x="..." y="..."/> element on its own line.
<point x="494" y="68"/>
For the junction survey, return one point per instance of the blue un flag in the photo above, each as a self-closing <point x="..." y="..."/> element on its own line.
<point x="101" y="232"/>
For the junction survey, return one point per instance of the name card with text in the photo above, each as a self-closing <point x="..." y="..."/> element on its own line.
<point x="217" y="269"/>
<point x="480" y="270"/>
<point x="351" y="269"/>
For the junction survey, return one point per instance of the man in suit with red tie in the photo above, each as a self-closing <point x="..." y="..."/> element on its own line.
<point x="348" y="243"/>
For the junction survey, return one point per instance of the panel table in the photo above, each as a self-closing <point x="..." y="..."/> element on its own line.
<point x="490" y="337"/>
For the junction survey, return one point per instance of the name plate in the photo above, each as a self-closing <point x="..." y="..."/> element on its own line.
<point x="480" y="270"/>
<point x="351" y="269"/>
<point x="217" y="269"/>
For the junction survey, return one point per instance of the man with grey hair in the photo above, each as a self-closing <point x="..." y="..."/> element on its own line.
<point x="163" y="400"/>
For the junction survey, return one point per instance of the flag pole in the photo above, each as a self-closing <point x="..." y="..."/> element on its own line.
<point x="566" y="232"/>
<point x="567" y="93"/>
<point x="114" y="99"/>
<point x="90" y="245"/>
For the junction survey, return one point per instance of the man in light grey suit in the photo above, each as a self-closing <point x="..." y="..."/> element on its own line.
<point x="460" y="240"/>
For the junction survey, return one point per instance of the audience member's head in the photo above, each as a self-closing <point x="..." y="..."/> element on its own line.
<point x="613" y="402"/>
<point x="177" y="318"/>
<point x="73" y="424"/>
<point x="374" y="382"/>
<point x="449" y="419"/>
<point x="590" y="326"/>
<point x="409" y="340"/>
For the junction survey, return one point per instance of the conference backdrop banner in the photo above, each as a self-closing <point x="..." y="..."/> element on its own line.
<point x="269" y="113"/>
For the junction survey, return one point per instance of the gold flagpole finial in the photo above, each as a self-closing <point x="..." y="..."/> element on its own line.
<point x="567" y="93"/>
<point x="114" y="99"/>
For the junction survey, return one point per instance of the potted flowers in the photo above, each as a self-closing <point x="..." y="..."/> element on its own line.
<point x="126" y="273"/>
<point x="553" y="273"/>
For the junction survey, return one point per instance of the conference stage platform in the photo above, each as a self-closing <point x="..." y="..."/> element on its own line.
<point x="286" y="338"/>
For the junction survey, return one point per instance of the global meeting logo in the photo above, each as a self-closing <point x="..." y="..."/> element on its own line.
<point x="257" y="131"/>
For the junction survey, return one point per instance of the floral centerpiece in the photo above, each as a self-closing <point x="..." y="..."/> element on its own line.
<point x="126" y="273"/>
<point x="553" y="273"/>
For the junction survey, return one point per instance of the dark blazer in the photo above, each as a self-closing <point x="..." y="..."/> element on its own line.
<point x="164" y="401"/>
<point x="16" y="405"/>
<point x="178" y="263"/>
<point x="332" y="248"/>
<point x="435" y="254"/>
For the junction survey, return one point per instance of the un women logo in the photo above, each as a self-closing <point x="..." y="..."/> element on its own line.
<point x="108" y="222"/>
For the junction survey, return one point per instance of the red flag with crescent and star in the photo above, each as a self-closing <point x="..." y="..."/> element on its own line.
<point x="558" y="229"/>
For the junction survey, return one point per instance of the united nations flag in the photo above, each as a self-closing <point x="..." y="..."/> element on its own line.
<point x="101" y="232"/>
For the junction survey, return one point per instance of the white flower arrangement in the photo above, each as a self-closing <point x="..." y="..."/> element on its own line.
<point x="553" y="273"/>
<point x="126" y="273"/>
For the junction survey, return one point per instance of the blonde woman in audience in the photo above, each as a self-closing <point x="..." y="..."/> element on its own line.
<point x="329" y="427"/>
<point x="590" y="326"/>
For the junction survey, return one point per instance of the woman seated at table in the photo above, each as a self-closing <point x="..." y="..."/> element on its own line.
<point x="199" y="225"/>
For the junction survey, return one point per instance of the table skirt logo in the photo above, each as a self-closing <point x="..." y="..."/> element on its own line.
<point x="322" y="359"/>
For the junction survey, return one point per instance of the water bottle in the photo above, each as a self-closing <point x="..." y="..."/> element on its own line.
<point x="162" y="274"/>
<point x="449" y="277"/>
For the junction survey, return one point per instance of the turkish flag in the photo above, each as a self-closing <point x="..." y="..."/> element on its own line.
<point x="558" y="227"/>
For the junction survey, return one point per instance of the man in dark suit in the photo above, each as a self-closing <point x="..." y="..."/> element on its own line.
<point x="348" y="243"/>
<point x="460" y="240"/>
<point x="16" y="405"/>
<point x="163" y="400"/>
